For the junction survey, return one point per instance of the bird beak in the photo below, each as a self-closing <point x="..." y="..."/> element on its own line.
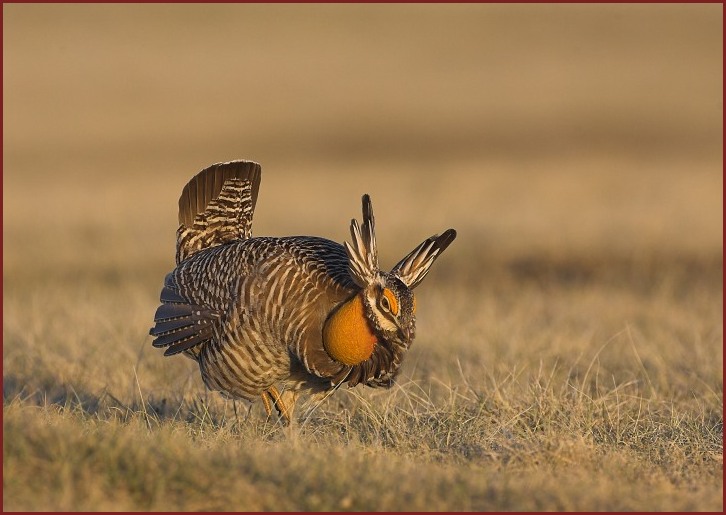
<point x="406" y="333"/>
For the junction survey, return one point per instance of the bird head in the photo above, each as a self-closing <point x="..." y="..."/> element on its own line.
<point x="388" y="298"/>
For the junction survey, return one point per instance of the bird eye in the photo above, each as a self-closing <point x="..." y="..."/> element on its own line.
<point x="388" y="301"/>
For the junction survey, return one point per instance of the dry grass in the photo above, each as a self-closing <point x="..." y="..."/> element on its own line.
<point x="575" y="381"/>
<point x="569" y="350"/>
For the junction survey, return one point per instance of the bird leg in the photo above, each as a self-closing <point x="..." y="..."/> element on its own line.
<point x="281" y="406"/>
<point x="284" y="402"/>
<point x="266" y="403"/>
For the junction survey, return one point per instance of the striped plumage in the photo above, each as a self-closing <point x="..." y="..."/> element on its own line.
<point x="270" y="317"/>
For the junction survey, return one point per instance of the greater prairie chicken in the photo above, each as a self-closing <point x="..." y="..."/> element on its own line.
<point x="271" y="317"/>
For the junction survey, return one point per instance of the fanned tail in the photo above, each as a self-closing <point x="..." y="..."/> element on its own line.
<point x="216" y="206"/>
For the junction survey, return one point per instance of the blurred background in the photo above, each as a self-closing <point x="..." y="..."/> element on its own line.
<point x="530" y="129"/>
<point x="576" y="149"/>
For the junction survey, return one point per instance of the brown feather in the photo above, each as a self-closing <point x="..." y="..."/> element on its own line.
<point x="413" y="268"/>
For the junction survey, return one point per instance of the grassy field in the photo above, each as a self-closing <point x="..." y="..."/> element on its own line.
<point x="569" y="351"/>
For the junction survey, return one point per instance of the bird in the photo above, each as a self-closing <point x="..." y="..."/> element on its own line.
<point x="271" y="318"/>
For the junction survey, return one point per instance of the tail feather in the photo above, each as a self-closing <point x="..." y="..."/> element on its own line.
<point x="179" y="324"/>
<point x="216" y="206"/>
